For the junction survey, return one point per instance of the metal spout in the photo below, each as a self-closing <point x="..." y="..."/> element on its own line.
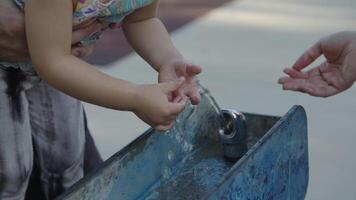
<point x="233" y="136"/>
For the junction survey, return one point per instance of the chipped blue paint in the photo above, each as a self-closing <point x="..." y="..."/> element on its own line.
<point x="275" y="168"/>
<point x="188" y="162"/>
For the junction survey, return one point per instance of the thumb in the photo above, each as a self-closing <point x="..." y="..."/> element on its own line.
<point x="193" y="70"/>
<point x="308" y="57"/>
<point x="172" y="85"/>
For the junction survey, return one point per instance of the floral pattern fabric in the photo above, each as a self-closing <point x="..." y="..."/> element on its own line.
<point x="110" y="11"/>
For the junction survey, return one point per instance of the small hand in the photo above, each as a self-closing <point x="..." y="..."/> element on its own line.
<point x="174" y="70"/>
<point x="154" y="108"/>
<point x="336" y="74"/>
<point x="79" y="34"/>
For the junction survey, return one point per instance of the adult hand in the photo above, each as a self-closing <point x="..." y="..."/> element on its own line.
<point x="13" y="45"/>
<point x="336" y="74"/>
<point x="176" y="69"/>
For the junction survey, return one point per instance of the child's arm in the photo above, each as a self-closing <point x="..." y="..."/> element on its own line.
<point x="49" y="32"/>
<point x="150" y="39"/>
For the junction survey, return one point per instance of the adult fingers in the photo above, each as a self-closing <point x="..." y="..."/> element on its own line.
<point x="317" y="91"/>
<point x="308" y="57"/>
<point x="298" y="86"/>
<point x="294" y="73"/>
<point x="79" y="34"/>
<point x="285" y="79"/>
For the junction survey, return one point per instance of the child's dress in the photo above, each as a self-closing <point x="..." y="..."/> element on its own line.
<point x="41" y="124"/>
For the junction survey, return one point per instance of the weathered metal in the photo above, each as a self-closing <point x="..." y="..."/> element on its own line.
<point x="188" y="162"/>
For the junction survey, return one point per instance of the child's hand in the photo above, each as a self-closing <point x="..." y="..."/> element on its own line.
<point x="336" y="74"/>
<point x="173" y="70"/>
<point x="153" y="106"/>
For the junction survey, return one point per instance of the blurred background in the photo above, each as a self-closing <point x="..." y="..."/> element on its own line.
<point x="243" y="47"/>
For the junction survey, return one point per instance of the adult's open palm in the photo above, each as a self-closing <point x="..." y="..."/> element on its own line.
<point x="336" y="74"/>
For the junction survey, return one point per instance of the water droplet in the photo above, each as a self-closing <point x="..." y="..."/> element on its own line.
<point x="167" y="172"/>
<point x="170" y="156"/>
<point x="221" y="131"/>
<point x="179" y="137"/>
<point x="185" y="146"/>
<point x="190" y="147"/>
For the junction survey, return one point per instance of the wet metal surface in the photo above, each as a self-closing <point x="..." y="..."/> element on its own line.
<point x="276" y="167"/>
<point x="192" y="178"/>
<point x="188" y="162"/>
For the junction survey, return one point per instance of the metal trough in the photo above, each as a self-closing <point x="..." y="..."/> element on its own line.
<point x="188" y="162"/>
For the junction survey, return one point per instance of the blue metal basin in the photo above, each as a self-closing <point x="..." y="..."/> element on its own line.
<point x="188" y="161"/>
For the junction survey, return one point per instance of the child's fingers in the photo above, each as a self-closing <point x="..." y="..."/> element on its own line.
<point x="180" y="96"/>
<point x="176" y="108"/>
<point x="194" y="97"/>
<point x="162" y="128"/>
<point x="84" y="51"/>
<point x="171" y="86"/>
<point x="177" y="99"/>
<point x="114" y="25"/>
<point x="79" y="34"/>
<point x="193" y="70"/>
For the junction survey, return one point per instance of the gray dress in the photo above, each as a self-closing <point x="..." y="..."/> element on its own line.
<point x="38" y="121"/>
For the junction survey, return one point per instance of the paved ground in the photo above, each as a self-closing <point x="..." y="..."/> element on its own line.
<point x="173" y="13"/>
<point x="243" y="47"/>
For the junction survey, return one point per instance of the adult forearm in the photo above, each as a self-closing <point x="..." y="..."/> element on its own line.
<point x="151" y="41"/>
<point x="82" y="81"/>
